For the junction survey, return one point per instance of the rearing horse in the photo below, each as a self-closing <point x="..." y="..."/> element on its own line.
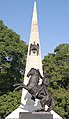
<point x="32" y="85"/>
<point x="38" y="91"/>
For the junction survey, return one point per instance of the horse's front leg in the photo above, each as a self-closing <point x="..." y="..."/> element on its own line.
<point x="25" y="87"/>
<point x="18" y="88"/>
<point x="17" y="84"/>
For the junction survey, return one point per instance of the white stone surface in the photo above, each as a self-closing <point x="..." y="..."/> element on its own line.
<point x="55" y="115"/>
<point x="33" y="61"/>
<point x="15" y="113"/>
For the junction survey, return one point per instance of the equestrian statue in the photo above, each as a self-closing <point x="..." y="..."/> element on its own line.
<point x="38" y="91"/>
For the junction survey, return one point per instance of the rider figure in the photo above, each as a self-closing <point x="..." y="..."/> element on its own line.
<point x="43" y="87"/>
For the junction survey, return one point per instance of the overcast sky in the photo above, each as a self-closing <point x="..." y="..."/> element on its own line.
<point x="53" y="20"/>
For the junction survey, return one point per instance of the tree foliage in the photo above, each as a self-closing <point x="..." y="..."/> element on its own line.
<point x="12" y="65"/>
<point x="9" y="102"/>
<point x="12" y="58"/>
<point x="57" y="66"/>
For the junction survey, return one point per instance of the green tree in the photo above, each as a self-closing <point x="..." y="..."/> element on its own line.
<point x="57" y="66"/>
<point x="12" y="58"/>
<point x="9" y="102"/>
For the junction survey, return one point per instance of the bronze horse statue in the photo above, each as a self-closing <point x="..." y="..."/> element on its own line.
<point x="38" y="91"/>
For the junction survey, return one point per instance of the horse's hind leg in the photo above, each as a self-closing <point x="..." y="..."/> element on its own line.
<point x="39" y="110"/>
<point x="42" y="104"/>
<point x="51" y="105"/>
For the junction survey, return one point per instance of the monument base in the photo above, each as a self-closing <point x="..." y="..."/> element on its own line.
<point x="15" y="114"/>
<point x="35" y="115"/>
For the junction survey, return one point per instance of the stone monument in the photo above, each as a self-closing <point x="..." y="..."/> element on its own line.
<point x="33" y="61"/>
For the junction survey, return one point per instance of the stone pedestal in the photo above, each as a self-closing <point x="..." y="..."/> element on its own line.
<point x="35" y="115"/>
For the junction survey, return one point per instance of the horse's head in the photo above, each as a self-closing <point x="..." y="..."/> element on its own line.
<point x="32" y="71"/>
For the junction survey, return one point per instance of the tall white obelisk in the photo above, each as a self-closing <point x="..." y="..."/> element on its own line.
<point x="33" y="61"/>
